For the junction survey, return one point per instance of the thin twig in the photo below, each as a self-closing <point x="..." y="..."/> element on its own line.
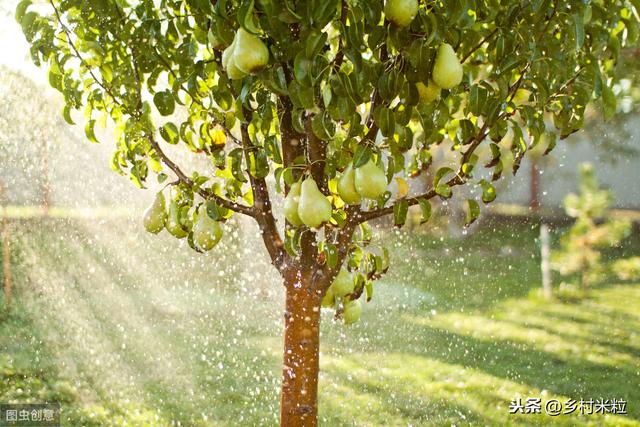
<point x="205" y="193"/>
<point x="79" y="56"/>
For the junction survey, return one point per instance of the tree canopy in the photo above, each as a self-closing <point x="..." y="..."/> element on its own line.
<point x="342" y="86"/>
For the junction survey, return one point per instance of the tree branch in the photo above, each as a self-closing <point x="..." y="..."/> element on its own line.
<point x="344" y="10"/>
<point x="479" y="45"/>
<point x="317" y="150"/>
<point x="262" y="209"/>
<point x="459" y="178"/>
<point x="291" y="140"/>
<point x="80" y="58"/>
<point x="205" y="193"/>
<point x="375" y="100"/>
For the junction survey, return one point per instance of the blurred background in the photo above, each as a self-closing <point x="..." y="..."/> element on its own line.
<point x="538" y="298"/>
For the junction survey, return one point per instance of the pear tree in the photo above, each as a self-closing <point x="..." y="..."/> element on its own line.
<point x="324" y="102"/>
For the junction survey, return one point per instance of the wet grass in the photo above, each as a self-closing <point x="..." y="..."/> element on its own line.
<point x="107" y="322"/>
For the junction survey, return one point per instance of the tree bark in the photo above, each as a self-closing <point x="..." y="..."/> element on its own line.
<point x="534" y="185"/>
<point x="545" y="263"/>
<point x="6" y="265"/>
<point x="299" y="396"/>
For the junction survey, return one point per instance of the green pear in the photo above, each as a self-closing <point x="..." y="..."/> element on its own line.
<point x="401" y="12"/>
<point x="173" y="224"/>
<point x="250" y="54"/>
<point x="347" y="187"/>
<point x="313" y="207"/>
<point x="447" y="70"/>
<point x="228" y="61"/>
<point x="291" y="203"/>
<point x="428" y="92"/>
<point x="343" y="283"/>
<point x="206" y="231"/>
<point x="370" y="180"/>
<point x="329" y="299"/>
<point x="352" y="312"/>
<point x="156" y="215"/>
<point x="234" y="72"/>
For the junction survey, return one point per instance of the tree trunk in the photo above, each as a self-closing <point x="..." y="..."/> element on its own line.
<point x="46" y="186"/>
<point x="545" y="263"/>
<point x="6" y="266"/>
<point x="299" y="397"/>
<point x="534" y="188"/>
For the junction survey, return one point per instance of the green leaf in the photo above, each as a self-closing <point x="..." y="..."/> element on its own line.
<point x="488" y="191"/>
<point x="66" y="113"/>
<point x="214" y="211"/>
<point x="444" y="191"/>
<point x="315" y="43"/>
<point x="327" y="95"/>
<point x="495" y="156"/>
<point x="164" y="102"/>
<point x="323" y="12"/>
<point x="302" y="96"/>
<point x="302" y="68"/>
<point x="608" y="102"/>
<point x="378" y="263"/>
<point x="441" y="173"/>
<point x="497" y="171"/>
<point x="290" y="246"/>
<point x="332" y="254"/>
<point x="425" y="207"/>
<point x="236" y="164"/>
<point x="361" y="156"/>
<point x="89" y="131"/>
<point x="400" y="209"/>
<point x="276" y="81"/>
<point x="477" y="99"/>
<point x="385" y="119"/>
<point x="473" y="211"/>
<point x="322" y="127"/>
<point x="552" y="138"/>
<point x="245" y="17"/>
<point x="259" y="167"/>
<point x="366" y="233"/>
<point x="21" y="9"/>
<point x="579" y="28"/>
<point x="169" y="132"/>
<point x="368" y="287"/>
<point x="297" y="120"/>
<point x="29" y="25"/>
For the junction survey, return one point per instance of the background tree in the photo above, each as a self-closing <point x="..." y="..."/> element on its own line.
<point x="322" y="90"/>
<point x="592" y="231"/>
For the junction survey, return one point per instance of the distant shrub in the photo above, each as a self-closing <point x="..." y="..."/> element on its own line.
<point x="592" y="231"/>
<point x="627" y="269"/>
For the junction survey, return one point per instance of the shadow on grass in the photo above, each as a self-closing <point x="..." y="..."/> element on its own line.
<point x="371" y="402"/>
<point x="200" y="357"/>
<point x="164" y="356"/>
<point x="522" y="347"/>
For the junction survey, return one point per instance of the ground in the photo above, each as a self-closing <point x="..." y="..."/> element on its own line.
<point x="120" y="327"/>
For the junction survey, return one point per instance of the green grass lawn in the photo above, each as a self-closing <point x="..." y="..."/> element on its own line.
<point x="123" y="327"/>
